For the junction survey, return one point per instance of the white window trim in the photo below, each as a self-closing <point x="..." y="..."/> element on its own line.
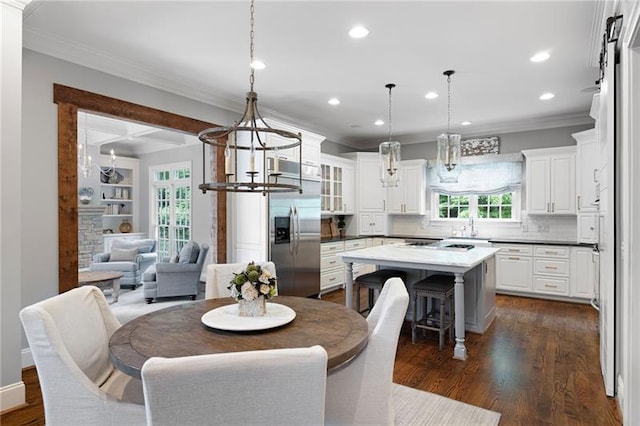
<point x="153" y="184"/>
<point x="516" y="211"/>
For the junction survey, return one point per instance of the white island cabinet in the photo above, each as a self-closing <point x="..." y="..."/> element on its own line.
<point x="477" y="261"/>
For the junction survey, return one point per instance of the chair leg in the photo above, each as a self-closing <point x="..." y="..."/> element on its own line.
<point x="356" y="292"/>
<point x="370" y="298"/>
<point x="415" y="318"/>
<point x="441" y="332"/>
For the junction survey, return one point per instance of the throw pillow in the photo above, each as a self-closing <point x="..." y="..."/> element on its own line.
<point x="122" y="255"/>
<point x="189" y="253"/>
<point x="173" y="259"/>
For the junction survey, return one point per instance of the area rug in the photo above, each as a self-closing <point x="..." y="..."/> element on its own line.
<point x="131" y="304"/>
<point x="416" y="407"/>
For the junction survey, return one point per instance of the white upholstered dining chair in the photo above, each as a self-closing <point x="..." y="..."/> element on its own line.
<point x="270" y="387"/>
<point x="69" y="339"/>
<point x="361" y="392"/>
<point x="220" y="274"/>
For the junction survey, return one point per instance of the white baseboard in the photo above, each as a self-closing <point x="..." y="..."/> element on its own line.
<point x="620" y="395"/>
<point x="27" y="358"/>
<point x="12" y="395"/>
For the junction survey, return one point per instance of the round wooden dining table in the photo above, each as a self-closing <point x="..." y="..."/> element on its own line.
<point x="178" y="331"/>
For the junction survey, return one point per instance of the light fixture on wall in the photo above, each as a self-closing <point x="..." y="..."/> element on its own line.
<point x="85" y="162"/>
<point x="389" y="154"/>
<point x="249" y="143"/>
<point x="448" y="144"/>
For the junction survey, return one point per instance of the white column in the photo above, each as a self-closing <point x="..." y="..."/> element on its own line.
<point x="348" y="291"/>
<point x="459" y="351"/>
<point x="12" y="391"/>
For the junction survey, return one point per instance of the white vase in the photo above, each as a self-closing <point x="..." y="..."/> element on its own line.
<point x="253" y="308"/>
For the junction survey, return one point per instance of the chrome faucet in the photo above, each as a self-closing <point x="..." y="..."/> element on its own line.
<point x="474" y="231"/>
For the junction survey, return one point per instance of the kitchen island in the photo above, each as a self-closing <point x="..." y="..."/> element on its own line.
<point x="478" y="261"/>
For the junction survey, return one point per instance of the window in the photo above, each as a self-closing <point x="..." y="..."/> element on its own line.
<point x="171" y="206"/>
<point x="482" y="206"/>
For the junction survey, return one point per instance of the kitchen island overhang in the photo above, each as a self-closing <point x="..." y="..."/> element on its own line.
<point x="429" y="259"/>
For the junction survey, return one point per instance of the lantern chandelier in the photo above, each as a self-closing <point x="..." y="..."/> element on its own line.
<point x="250" y="142"/>
<point x="85" y="162"/>
<point x="389" y="154"/>
<point x="448" y="144"/>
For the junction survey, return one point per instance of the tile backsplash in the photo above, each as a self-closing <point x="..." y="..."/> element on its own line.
<point x="535" y="227"/>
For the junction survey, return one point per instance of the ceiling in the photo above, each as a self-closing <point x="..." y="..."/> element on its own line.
<point x="127" y="138"/>
<point x="200" y="49"/>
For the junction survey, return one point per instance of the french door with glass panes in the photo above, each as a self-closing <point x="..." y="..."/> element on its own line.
<point x="171" y="206"/>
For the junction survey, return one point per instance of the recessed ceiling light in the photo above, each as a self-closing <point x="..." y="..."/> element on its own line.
<point x="257" y="65"/>
<point x="334" y="101"/>
<point x="431" y="95"/>
<point x="465" y="123"/>
<point x="546" y="96"/>
<point x="540" y="57"/>
<point x="358" y="32"/>
<point x="379" y="122"/>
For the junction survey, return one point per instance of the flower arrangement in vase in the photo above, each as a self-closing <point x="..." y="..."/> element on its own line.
<point x="251" y="288"/>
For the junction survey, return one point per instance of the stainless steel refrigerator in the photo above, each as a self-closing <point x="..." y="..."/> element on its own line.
<point x="294" y="236"/>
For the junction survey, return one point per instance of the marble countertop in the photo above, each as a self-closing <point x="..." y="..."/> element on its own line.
<point x="419" y="257"/>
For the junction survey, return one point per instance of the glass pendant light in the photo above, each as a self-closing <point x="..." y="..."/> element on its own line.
<point x="389" y="154"/>
<point x="448" y="145"/>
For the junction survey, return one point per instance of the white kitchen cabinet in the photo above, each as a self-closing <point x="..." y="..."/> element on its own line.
<point x="331" y="267"/>
<point x="588" y="228"/>
<point x="551" y="270"/>
<point x="545" y="271"/>
<point x="587" y="163"/>
<point x="582" y="273"/>
<point x="550" y="180"/>
<point x="370" y="195"/>
<point x="514" y="268"/>
<point x="372" y="223"/>
<point x="409" y="197"/>
<point x="338" y="185"/>
<point x="310" y="149"/>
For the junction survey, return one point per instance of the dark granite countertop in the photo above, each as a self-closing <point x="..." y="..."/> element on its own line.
<point x="493" y="240"/>
<point x="539" y="242"/>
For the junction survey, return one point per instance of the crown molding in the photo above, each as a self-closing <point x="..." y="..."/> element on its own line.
<point x="18" y="4"/>
<point x="61" y="48"/>
<point x="538" y="123"/>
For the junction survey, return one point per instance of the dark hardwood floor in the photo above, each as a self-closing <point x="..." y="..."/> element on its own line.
<point x="536" y="365"/>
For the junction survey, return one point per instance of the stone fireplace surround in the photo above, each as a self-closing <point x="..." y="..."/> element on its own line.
<point x="90" y="239"/>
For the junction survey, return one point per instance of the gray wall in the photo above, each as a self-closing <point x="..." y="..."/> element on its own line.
<point x="39" y="168"/>
<point x="509" y="142"/>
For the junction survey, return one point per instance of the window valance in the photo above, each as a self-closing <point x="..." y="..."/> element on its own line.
<point x="482" y="174"/>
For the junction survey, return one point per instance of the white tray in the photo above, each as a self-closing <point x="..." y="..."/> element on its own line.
<point x="227" y="318"/>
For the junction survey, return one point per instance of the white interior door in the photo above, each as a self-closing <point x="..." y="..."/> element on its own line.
<point x="606" y="125"/>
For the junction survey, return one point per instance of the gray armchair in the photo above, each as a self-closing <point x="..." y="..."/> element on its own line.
<point x="178" y="276"/>
<point x="131" y="257"/>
